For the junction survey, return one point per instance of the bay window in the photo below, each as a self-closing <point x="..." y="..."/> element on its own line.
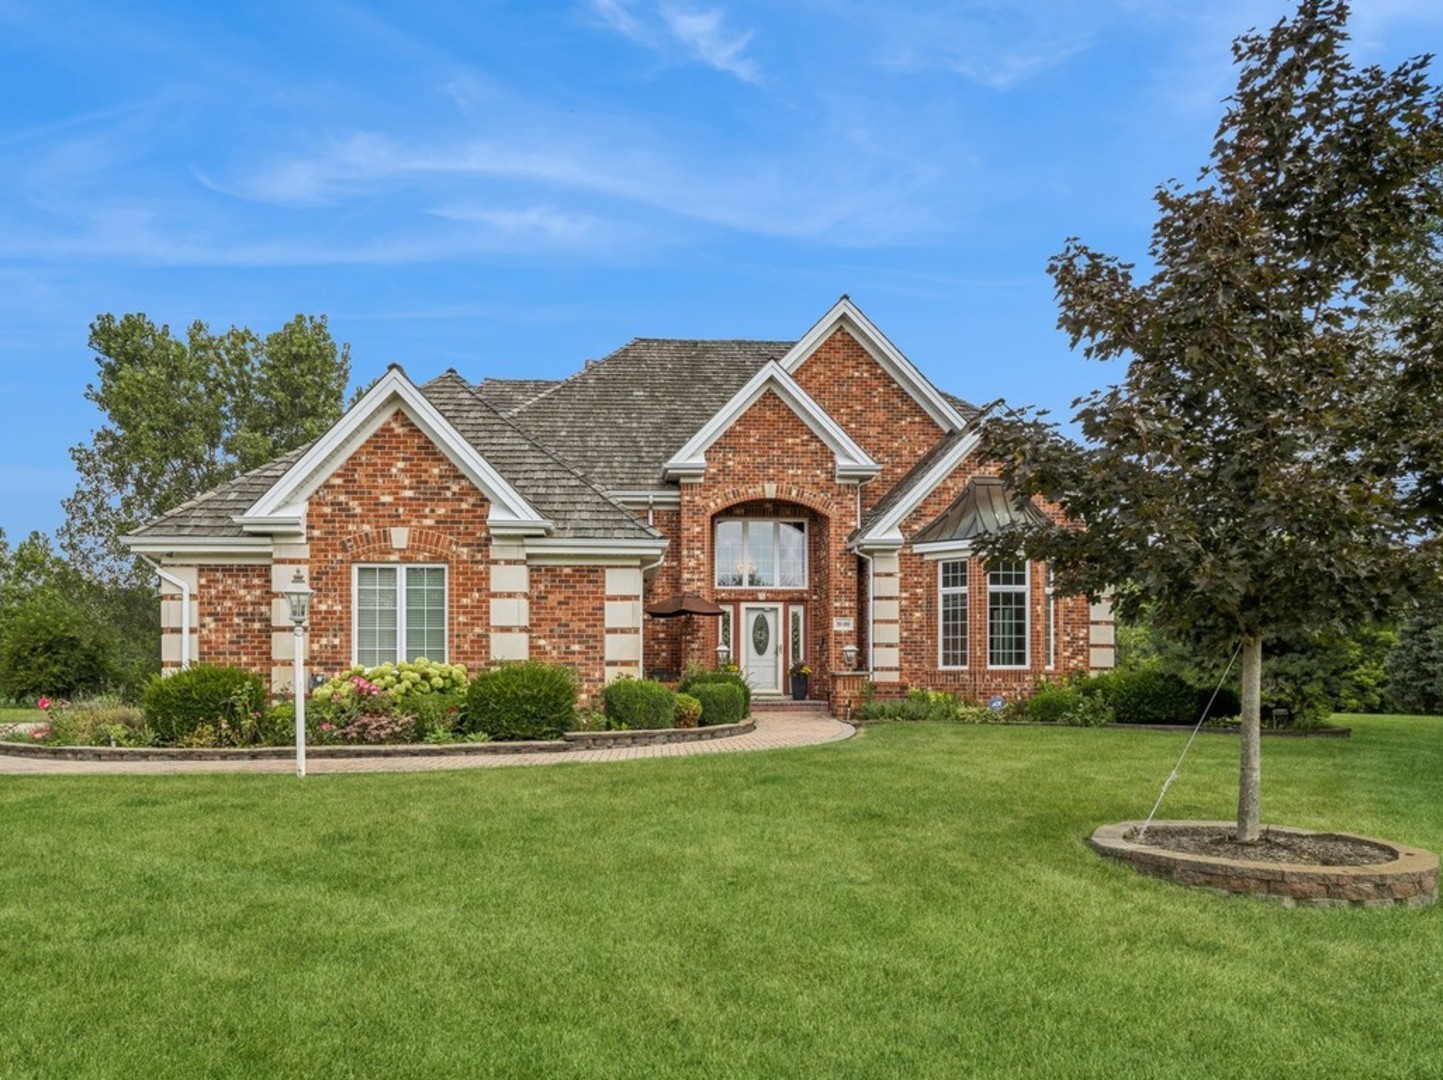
<point x="1007" y="615"/>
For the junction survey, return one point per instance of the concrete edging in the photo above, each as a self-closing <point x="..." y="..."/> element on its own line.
<point x="1410" y="879"/>
<point x="570" y="742"/>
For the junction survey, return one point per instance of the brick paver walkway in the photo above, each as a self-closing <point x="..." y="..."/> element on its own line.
<point x="775" y="730"/>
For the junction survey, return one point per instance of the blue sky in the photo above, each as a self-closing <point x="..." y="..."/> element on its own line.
<point x="511" y="188"/>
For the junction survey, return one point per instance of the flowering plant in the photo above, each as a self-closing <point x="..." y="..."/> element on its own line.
<point x="801" y="667"/>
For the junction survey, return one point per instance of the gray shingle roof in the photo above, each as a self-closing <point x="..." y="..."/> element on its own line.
<point x="210" y="514"/>
<point x="985" y="506"/>
<point x="508" y="395"/>
<point x="562" y="444"/>
<point x="619" y="420"/>
<point x="555" y="489"/>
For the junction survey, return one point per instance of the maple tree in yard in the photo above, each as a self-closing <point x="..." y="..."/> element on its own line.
<point x="1272" y="462"/>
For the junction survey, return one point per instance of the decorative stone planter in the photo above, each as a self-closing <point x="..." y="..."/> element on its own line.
<point x="1405" y="876"/>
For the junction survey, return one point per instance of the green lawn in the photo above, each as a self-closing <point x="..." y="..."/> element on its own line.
<point x="915" y="902"/>
<point x="10" y="715"/>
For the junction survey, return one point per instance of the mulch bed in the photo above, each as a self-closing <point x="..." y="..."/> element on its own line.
<point x="1317" y="849"/>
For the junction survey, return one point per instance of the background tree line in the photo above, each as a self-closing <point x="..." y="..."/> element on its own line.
<point x="181" y="414"/>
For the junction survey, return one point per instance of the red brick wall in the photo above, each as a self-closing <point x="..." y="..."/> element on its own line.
<point x="398" y="478"/>
<point x="235" y="616"/>
<point x="919" y="615"/>
<point x="568" y="620"/>
<point x="770" y="444"/>
<point x="872" y="408"/>
<point x="662" y="649"/>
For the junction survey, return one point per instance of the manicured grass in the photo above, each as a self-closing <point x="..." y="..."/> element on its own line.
<point x="19" y="716"/>
<point x="916" y="902"/>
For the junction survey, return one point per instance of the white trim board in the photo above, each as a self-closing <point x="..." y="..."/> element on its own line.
<point x="846" y="314"/>
<point x="283" y="505"/>
<point x="853" y="463"/>
<point x="886" y="532"/>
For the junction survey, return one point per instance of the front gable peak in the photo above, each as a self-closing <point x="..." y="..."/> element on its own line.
<point x="281" y="508"/>
<point x="853" y="463"/>
<point x="845" y="315"/>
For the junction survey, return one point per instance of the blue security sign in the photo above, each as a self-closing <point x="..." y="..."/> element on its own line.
<point x="995" y="703"/>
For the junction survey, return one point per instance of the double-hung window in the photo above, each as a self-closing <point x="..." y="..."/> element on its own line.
<point x="1007" y="615"/>
<point x="761" y="553"/>
<point x="952" y="612"/>
<point x="399" y="614"/>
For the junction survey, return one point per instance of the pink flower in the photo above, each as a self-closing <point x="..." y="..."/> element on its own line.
<point x="327" y="727"/>
<point x="40" y="733"/>
<point x="43" y="703"/>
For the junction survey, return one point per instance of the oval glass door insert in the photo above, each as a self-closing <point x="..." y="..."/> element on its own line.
<point x="761" y="634"/>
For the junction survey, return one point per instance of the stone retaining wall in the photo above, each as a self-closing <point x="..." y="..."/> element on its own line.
<point x="572" y="741"/>
<point x="1410" y="879"/>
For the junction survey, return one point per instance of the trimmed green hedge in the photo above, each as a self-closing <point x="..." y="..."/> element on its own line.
<point x="698" y="676"/>
<point x="527" y="700"/>
<point x="201" y="695"/>
<point x="638" y="703"/>
<point x="721" y="702"/>
<point x="1152" y="697"/>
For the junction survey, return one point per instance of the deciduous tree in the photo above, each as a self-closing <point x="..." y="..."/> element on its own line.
<point x="1255" y="472"/>
<point x="183" y="415"/>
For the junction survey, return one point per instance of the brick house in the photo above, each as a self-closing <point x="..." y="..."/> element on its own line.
<point x="821" y="491"/>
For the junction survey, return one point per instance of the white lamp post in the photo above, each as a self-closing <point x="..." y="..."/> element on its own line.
<point x="849" y="657"/>
<point x="723" y="654"/>
<point x="298" y="596"/>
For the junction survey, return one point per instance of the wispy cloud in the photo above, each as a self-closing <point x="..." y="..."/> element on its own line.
<point x="706" y="34"/>
<point x="699" y="33"/>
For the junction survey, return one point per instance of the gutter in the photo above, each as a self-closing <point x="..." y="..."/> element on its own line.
<point x="166" y="575"/>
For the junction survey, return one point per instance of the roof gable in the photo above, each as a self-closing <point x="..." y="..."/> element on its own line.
<point x="846" y="315"/>
<point x="281" y="507"/>
<point x="883" y="527"/>
<point x="853" y="463"/>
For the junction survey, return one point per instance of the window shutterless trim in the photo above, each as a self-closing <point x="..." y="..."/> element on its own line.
<point x="964" y="591"/>
<point x="1025" y="589"/>
<point x="776" y="524"/>
<point x="400" y="568"/>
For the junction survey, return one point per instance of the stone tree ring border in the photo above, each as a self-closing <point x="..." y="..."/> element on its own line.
<point x="1409" y="879"/>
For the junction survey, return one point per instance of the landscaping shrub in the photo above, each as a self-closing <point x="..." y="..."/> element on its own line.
<point x="728" y="676"/>
<point x="405" y="686"/>
<point x="1053" y="704"/>
<point x="526" y="700"/>
<point x="688" y="711"/>
<point x="102" y="721"/>
<point x="202" y="695"/>
<point x="51" y="647"/>
<point x="1227" y="702"/>
<point x="638" y="703"/>
<point x="1151" y="697"/>
<point x="918" y="705"/>
<point x="721" y="702"/>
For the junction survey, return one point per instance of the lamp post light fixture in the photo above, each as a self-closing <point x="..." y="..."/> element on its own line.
<point x="723" y="654"/>
<point x="298" y="597"/>
<point x="849" y="657"/>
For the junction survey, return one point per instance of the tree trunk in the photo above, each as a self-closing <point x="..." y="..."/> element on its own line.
<point x="1250" y="774"/>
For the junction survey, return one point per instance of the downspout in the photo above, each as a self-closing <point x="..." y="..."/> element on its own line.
<point x="166" y="575"/>
<point x="871" y="593"/>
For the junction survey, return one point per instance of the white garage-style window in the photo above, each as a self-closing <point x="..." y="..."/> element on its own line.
<point x="399" y="613"/>
<point x="761" y="553"/>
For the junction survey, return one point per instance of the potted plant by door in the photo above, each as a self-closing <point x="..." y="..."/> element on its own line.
<point x="801" y="672"/>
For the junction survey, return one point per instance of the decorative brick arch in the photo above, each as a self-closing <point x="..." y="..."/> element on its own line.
<point x="373" y="542"/>
<point x="818" y="501"/>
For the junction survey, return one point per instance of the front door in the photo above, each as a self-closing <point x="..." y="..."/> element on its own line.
<point x="761" y="649"/>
